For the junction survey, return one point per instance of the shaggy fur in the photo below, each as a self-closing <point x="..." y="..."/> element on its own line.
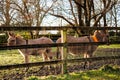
<point x="87" y="50"/>
<point x="18" y="40"/>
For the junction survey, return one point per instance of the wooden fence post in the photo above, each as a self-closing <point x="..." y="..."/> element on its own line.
<point x="64" y="50"/>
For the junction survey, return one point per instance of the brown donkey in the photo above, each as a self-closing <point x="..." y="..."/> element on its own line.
<point x="18" y="40"/>
<point x="87" y="50"/>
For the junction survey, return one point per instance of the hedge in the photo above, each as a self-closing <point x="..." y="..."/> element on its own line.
<point x="114" y="38"/>
<point x="3" y="38"/>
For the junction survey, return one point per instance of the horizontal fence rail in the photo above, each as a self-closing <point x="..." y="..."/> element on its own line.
<point x="56" y="62"/>
<point x="54" y="45"/>
<point x="19" y="28"/>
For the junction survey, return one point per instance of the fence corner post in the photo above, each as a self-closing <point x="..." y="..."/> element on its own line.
<point x="64" y="51"/>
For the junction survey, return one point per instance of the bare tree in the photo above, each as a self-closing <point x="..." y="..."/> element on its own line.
<point x="5" y="9"/>
<point x="84" y="13"/>
<point x="27" y="12"/>
<point x="115" y="15"/>
<point x="90" y="12"/>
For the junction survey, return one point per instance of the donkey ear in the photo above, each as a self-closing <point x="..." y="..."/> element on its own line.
<point x="11" y="34"/>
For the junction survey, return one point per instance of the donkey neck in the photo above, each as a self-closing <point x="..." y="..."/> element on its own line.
<point x="20" y="41"/>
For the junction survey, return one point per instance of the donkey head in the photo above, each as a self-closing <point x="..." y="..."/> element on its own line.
<point x="101" y="35"/>
<point x="11" y="39"/>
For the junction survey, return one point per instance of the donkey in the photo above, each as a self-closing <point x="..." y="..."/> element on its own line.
<point x="18" y="40"/>
<point x="86" y="50"/>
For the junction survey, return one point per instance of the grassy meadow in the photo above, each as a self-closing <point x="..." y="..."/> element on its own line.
<point x="14" y="57"/>
<point x="110" y="46"/>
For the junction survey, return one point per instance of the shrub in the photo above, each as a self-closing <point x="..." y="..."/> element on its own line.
<point x="110" y="69"/>
<point x="107" y="68"/>
<point x="26" y="36"/>
<point x="114" y="38"/>
<point x="3" y="38"/>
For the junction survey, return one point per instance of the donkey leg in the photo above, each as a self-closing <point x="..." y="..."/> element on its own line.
<point x="87" y="63"/>
<point x="45" y="57"/>
<point x="26" y="58"/>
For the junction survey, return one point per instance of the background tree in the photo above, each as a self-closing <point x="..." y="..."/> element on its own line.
<point x="26" y="12"/>
<point x="5" y="16"/>
<point x="83" y="13"/>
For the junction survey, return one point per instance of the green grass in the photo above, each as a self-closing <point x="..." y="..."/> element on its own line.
<point x="105" y="73"/>
<point x="110" y="46"/>
<point x="14" y="57"/>
<point x="107" y="50"/>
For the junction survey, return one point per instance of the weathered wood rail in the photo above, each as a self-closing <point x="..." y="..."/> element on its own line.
<point x="24" y="65"/>
<point x="28" y="28"/>
<point x="5" y="47"/>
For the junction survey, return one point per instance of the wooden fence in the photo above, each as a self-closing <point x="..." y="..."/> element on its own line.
<point x="24" y="65"/>
<point x="64" y="60"/>
<point x="28" y="28"/>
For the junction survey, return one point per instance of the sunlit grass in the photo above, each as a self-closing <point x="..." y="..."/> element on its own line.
<point x="110" y="46"/>
<point x="109" y="73"/>
<point x="90" y="75"/>
<point x="14" y="57"/>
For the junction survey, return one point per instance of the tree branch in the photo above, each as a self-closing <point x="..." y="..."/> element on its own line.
<point x="104" y="11"/>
